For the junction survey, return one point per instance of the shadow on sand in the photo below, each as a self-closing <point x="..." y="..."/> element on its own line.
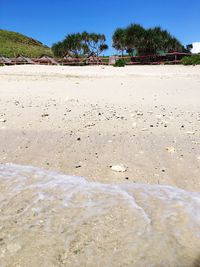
<point x="197" y="262"/>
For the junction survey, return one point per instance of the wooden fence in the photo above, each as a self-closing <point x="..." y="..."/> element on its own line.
<point x="170" y="58"/>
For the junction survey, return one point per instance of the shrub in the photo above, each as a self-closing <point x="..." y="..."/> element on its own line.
<point x="193" y="60"/>
<point x="120" y="63"/>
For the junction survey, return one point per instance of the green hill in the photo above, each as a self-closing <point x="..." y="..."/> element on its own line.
<point x="13" y="44"/>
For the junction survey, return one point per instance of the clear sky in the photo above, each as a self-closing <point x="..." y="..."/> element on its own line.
<point x="51" y="20"/>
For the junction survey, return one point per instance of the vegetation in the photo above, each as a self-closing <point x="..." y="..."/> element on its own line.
<point x="120" y="63"/>
<point x="13" y="44"/>
<point x="145" y="41"/>
<point x="192" y="60"/>
<point x="80" y="44"/>
<point x="119" y="40"/>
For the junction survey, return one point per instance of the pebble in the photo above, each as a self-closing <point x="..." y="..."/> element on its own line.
<point x="45" y="115"/>
<point x="119" y="168"/>
<point x="195" y="142"/>
<point x="190" y="133"/>
<point x="89" y="125"/>
<point x="170" y="149"/>
<point x="2" y="120"/>
<point x="78" y="166"/>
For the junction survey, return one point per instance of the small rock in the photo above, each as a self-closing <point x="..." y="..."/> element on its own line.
<point x="45" y="115"/>
<point x="195" y="142"/>
<point x="78" y="166"/>
<point x="2" y="120"/>
<point x="119" y="168"/>
<point x="190" y="133"/>
<point x="89" y="125"/>
<point x="16" y="103"/>
<point x="170" y="149"/>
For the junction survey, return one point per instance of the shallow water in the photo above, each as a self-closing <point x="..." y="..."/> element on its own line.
<point x="49" y="219"/>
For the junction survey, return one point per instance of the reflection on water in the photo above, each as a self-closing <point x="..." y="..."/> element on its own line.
<point x="48" y="219"/>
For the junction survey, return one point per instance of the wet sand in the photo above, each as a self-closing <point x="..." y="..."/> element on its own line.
<point x="52" y="220"/>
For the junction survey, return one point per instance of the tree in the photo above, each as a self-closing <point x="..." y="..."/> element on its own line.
<point x="175" y="45"/>
<point x="72" y="45"/>
<point x="58" y="49"/>
<point x="135" y="36"/>
<point x="94" y="42"/>
<point x="81" y="44"/>
<point x="145" y="41"/>
<point x="119" y="40"/>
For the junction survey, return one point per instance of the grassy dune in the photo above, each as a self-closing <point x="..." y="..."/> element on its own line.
<point x="12" y="44"/>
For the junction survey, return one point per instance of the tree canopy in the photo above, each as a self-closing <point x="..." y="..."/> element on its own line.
<point x="144" y="41"/>
<point x="81" y="44"/>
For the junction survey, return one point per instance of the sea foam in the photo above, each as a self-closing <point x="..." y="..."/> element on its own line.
<point x="50" y="219"/>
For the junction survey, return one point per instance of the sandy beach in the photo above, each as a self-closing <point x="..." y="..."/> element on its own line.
<point x="81" y="121"/>
<point x="133" y="133"/>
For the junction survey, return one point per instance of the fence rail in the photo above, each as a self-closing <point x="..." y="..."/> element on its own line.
<point x="169" y="58"/>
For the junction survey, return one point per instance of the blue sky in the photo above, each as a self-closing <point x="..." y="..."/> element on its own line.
<point x="51" y="20"/>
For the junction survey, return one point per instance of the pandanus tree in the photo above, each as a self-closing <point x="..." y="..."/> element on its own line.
<point x="135" y="37"/>
<point x="58" y="49"/>
<point x="94" y="42"/>
<point x="72" y="45"/>
<point x="119" y="40"/>
<point x="81" y="44"/>
<point x="145" y="41"/>
<point x="157" y="39"/>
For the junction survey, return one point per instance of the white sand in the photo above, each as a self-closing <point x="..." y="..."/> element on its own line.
<point x="144" y="117"/>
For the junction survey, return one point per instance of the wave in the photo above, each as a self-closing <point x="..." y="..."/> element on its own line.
<point x="50" y="219"/>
